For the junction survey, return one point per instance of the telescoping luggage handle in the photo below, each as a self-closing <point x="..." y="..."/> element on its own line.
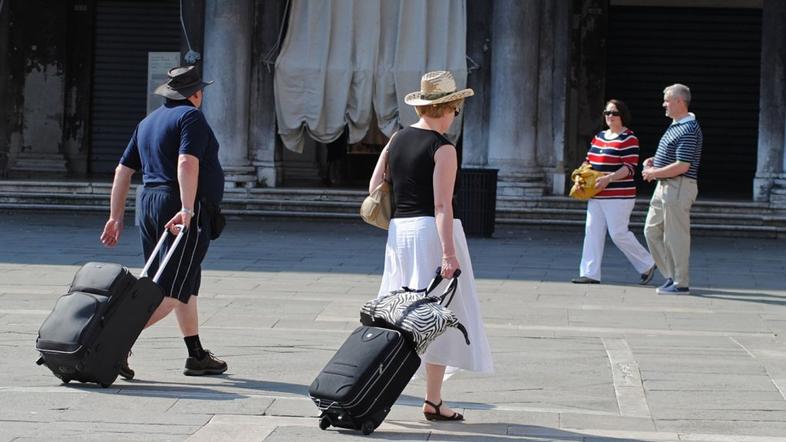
<point x="169" y="253"/>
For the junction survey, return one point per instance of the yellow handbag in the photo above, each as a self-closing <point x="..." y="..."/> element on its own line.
<point x="378" y="206"/>
<point x="584" y="182"/>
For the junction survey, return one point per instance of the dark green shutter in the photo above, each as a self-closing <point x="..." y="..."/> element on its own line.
<point x="125" y="32"/>
<point x="714" y="51"/>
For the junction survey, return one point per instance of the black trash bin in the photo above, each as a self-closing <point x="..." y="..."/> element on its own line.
<point x="476" y="204"/>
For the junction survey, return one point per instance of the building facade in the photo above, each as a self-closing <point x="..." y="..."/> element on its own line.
<point x="75" y="81"/>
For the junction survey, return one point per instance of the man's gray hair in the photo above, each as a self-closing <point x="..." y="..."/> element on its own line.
<point x="678" y="90"/>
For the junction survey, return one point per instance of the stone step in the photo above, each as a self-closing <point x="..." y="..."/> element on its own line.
<point x="714" y="229"/>
<point x="639" y="214"/>
<point x="554" y="202"/>
<point x="554" y="212"/>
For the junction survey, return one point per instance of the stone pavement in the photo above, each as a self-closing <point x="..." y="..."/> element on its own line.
<point x="574" y="363"/>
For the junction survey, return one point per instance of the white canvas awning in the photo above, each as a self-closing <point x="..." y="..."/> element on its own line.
<point x="341" y="60"/>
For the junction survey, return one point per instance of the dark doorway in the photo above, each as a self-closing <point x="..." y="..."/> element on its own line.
<point x="714" y="51"/>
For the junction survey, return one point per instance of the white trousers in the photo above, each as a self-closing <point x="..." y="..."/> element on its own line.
<point x="612" y="215"/>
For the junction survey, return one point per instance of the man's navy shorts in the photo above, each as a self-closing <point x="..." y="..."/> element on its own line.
<point x="182" y="276"/>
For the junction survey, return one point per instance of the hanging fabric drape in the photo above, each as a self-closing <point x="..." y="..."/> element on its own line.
<point x="344" y="59"/>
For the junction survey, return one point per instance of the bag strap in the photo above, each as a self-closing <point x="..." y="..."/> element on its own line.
<point x="387" y="160"/>
<point x="405" y="289"/>
<point x="463" y="331"/>
<point x="450" y="290"/>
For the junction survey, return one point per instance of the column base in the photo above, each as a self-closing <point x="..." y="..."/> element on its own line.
<point x="269" y="173"/>
<point x="778" y="193"/>
<point x="239" y="176"/>
<point x="558" y="183"/>
<point x="762" y="186"/>
<point x="37" y="165"/>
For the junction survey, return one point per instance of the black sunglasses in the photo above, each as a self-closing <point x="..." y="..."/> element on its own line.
<point x="609" y="113"/>
<point x="456" y="112"/>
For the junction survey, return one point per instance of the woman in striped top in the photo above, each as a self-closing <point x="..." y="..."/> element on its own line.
<point x="614" y="151"/>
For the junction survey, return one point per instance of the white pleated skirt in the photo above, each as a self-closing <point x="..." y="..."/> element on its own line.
<point x="412" y="255"/>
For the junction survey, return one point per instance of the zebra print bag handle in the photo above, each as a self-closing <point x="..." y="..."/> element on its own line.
<point x="451" y="290"/>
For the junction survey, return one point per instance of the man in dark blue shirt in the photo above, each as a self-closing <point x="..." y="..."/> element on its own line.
<point x="183" y="185"/>
<point x="675" y="167"/>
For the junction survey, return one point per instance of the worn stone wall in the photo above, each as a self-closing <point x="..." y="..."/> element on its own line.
<point x="78" y="84"/>
<point x="265" y="147"/>
<point x="587" y="78"/>
<point x="476" y="114"/>
<point x="554" y="62"/>
<point x="770" y="181"/>
<point x="35" y="91"/>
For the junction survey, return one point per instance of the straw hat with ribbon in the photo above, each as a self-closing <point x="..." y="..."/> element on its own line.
<point x="437" y="87"/>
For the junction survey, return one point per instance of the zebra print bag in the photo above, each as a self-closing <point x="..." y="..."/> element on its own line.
<point x="420" y="317"/>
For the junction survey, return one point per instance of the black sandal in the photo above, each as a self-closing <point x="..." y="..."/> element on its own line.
<point x="438" y="416"/>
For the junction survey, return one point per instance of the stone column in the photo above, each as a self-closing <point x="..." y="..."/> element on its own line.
<point x="264" y="143"/>
<point x="552" y="93"/>
<point x="769" y="183"/>
<point x="476" y="115"/>
<point x="227" y="61"/>
<point x="513" y="117"/>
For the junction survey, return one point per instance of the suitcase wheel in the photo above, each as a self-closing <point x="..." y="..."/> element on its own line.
<point x="324" y="423"/>
<point x="367" y="428"/>
<point x="65" y="379"/>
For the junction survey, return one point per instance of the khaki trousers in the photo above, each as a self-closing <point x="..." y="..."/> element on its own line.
<point x="667" y="228"/>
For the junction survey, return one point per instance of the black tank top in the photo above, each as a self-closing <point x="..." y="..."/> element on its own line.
<point x="411" y="155"/>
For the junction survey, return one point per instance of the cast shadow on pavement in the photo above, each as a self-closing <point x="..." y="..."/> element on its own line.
<point x="474" y="432"/>
<point x="726" y="295"/>
<point x="210" y="391"/>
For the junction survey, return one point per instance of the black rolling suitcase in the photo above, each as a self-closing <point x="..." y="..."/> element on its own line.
<point x="93" y="327"/>
<point x="362" y="381"/>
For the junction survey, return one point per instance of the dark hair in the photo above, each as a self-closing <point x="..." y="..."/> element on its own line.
<point x="623" y="110"/>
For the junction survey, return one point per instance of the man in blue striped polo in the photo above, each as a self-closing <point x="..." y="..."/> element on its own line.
<point x="675" y="167"/>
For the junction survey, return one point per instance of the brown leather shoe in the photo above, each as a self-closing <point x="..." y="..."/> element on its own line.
<point x="209" y="364"/>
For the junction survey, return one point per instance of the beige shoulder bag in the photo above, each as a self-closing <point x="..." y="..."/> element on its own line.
<point x="378" y="206"/>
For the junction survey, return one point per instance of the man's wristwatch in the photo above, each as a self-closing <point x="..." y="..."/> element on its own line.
<point x="189" y="212"/>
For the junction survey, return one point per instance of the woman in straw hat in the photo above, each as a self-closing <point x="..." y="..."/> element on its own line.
<point x="423" y="166"/>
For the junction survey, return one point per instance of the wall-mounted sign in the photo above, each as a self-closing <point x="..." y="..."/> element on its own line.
<point x="158" y="64"/>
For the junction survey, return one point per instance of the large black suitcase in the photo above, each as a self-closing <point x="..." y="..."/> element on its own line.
<point x="93" y="327"/>
<point x="362" y="381"/>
